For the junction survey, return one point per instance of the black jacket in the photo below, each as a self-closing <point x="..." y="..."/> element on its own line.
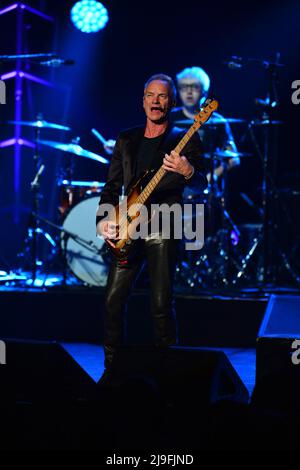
<point x="122" y="166"/>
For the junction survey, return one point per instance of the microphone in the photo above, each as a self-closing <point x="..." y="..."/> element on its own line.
<point x="57" y="62"/>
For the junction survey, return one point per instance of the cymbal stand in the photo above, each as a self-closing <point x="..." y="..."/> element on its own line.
<point x="271" y="194"/>
<point x="269" y="190"/>
<point x="212" y="189"/>
<point x="229" y="228"/>
<point x="35" y="188"/>
<point x="34" y="231"/>
<point x="259" y="239"/>
<point x="71" y="165"/>
<point x="223" y="234"/>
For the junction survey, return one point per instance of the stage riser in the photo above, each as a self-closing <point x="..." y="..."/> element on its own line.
<point x="77" y="316"/>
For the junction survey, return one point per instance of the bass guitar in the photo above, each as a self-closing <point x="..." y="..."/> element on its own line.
<point x="126" y="215"/>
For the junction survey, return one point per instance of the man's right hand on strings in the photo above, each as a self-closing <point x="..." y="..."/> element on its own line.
<point x="109" y="230"/>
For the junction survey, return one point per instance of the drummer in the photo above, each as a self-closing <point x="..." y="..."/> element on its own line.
<point x="193" y="84"/>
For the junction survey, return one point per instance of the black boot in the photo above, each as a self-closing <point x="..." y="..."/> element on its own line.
<point x="109" y="353"/>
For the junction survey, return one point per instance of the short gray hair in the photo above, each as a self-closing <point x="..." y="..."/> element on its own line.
<point x="164" y="78"/>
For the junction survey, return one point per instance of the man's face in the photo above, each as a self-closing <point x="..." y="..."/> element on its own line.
<point x="157" y="101"/>
<point x="190" y="91"/>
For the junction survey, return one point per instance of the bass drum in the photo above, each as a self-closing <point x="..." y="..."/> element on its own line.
<point x="85" y="252"/>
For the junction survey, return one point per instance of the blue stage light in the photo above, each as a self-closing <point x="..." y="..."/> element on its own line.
<point x="89" y="16"/>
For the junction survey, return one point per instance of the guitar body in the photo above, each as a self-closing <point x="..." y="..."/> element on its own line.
<point x="127" y="217"/>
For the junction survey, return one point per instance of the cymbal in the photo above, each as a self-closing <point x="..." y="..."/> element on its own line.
<point x="212" y="121"/>
<point x="223" y="154"/>
<point x="41" y="123"/>
<point x="75" y="149"/>
<point x="82" y="184"/>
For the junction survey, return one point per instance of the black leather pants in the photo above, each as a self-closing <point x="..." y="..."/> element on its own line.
<point x="160" y="256"/>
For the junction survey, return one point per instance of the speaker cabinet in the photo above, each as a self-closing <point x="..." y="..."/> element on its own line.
<point x="278" y="356"/>
<point x="180" y="373"/>
<point x="41" y="370"/>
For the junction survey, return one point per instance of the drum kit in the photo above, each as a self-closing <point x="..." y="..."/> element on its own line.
<point x="238" y="256"/>
<point x="226" y="259"/>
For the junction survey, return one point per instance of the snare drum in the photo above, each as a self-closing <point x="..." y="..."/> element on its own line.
<point x="85" y="255"/>
<point x="72" y="192"/>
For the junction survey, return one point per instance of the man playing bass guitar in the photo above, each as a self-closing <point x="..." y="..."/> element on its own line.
<point x="147" y="147"/>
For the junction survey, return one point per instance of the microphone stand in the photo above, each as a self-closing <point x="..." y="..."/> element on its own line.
<point x="35" y="188"/>
<point x="267" y="200"/>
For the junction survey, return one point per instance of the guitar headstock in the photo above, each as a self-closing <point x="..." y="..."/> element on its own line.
<point x="207" y="109"/>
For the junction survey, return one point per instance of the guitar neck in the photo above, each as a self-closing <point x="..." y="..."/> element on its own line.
<point x="148" y="190"/>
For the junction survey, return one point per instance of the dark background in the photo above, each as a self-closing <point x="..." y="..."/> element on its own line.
<point x="105" y="86"/>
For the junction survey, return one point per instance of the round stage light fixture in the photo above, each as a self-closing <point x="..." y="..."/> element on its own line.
<point x="89" y="16"/>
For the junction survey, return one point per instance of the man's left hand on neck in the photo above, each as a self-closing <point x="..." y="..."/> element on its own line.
<point x="178" y="164"/>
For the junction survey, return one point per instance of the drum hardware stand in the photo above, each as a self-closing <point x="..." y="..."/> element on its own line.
<point x="64" y="237"/>
<point x="197" y="278"/>
<point x="67" y="175"/>
<point x="33" y="226"/>
<point x="257" y="241"/>
<point x="34" y="230"/>
<point x="262" y="216"/>
<point x="212" y="185"/>
<point x="268" y="184"/>
<point x="69" y="170"/>
<point x="227" y="224"/>
<point x="276" y="195"/>
<point x="66" y="234"/>
<point x="246" y="260"/>
<point x="35" y="187"/>
<point x="267" y="193"/>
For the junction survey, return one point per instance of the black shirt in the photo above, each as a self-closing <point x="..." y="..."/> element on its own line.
<point x="148" y="156"/>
